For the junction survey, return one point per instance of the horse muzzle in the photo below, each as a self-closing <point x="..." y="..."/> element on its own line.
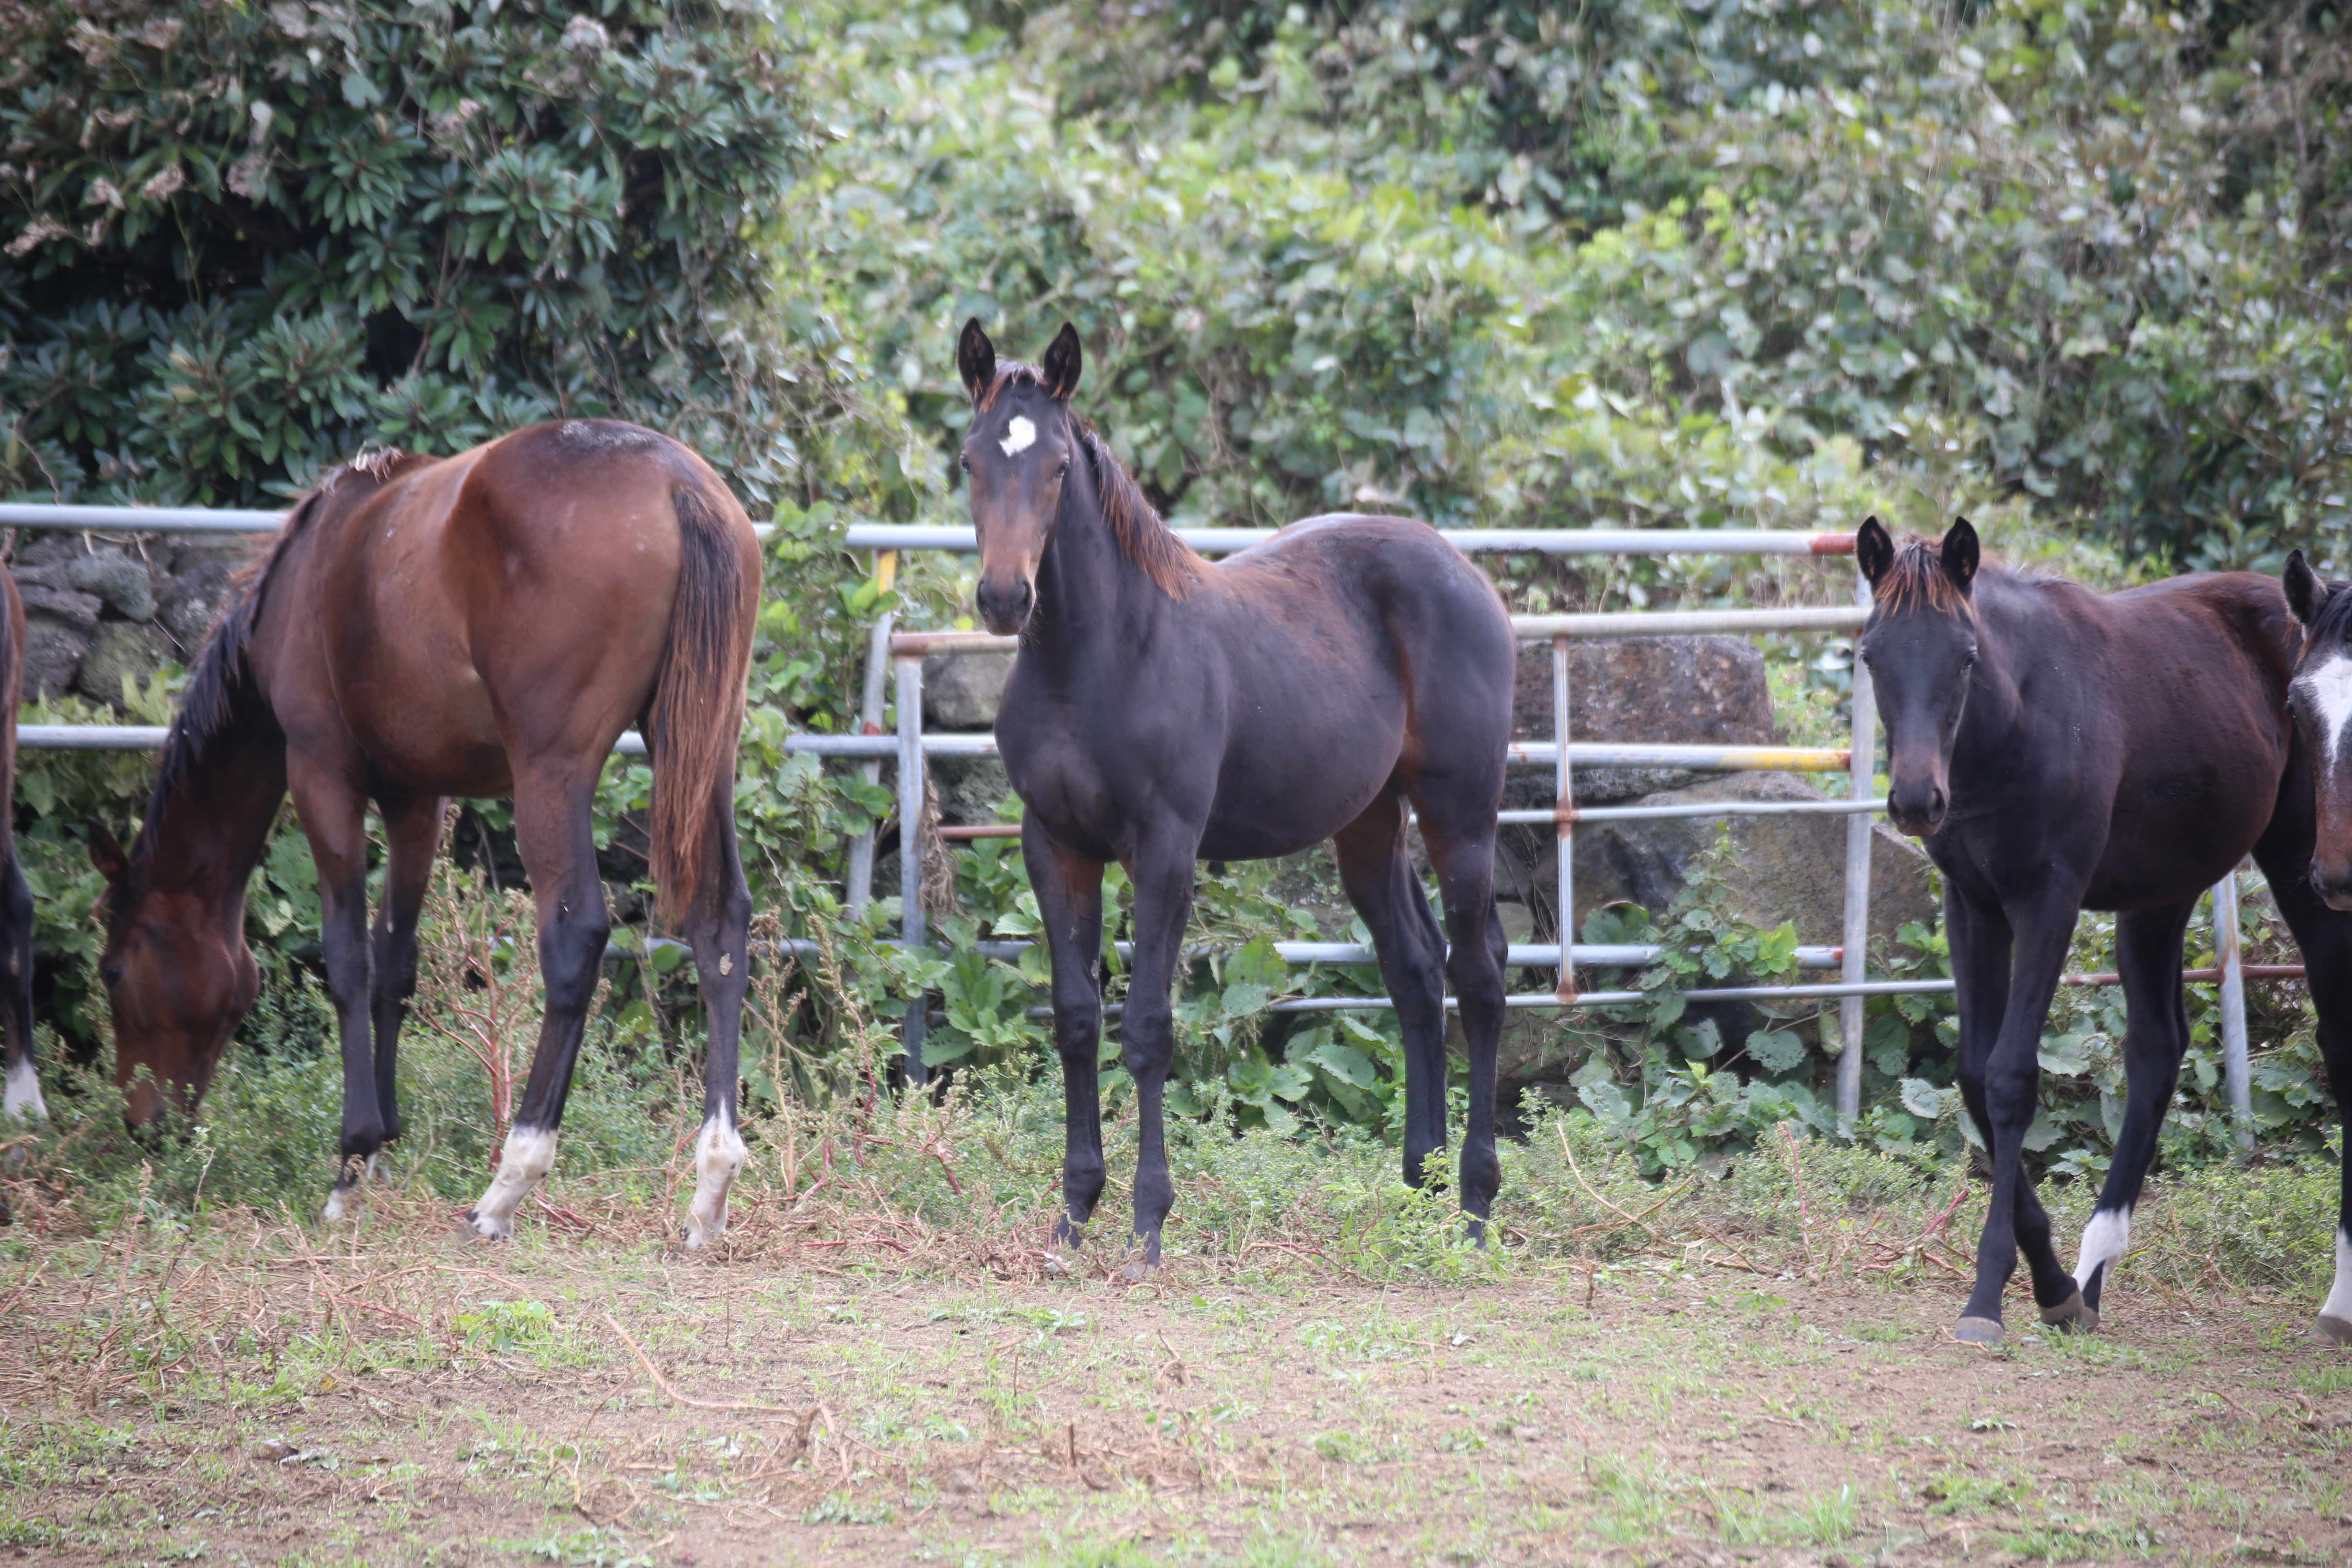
<point x="1917" y="807"/>
<point x="2333" y="883"/>
<point x="1006" y="607"/>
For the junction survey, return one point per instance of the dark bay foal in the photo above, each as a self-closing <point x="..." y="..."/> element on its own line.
<point x="2058" y="750"/>
<point x="1163" y="712"/>
<point x="2322" y="698"/>
<point x="21" y="1097"/>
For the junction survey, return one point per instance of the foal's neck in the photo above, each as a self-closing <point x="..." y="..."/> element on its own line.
<point x="1092" y="599"/>
<point x="1995" y="712"/>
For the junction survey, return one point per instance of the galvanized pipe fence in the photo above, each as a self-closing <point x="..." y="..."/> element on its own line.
<point x="900" y="655"/>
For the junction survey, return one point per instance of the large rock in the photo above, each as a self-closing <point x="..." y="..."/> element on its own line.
<point x="53" y="599"/>
<point x="191" y="598"/>
<point x="123" y="583"/>
<point x="1780" y="867"/>
<point x="962" y="692"/>
<point x="53" y="653"/>
<point x="970" y="788"/>
<point x="118" y="650"/>
<point x="1663" y="690"/>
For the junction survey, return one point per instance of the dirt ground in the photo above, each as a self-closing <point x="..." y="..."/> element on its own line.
<point x="414" y="1399"/>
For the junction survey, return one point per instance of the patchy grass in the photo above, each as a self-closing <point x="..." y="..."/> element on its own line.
<point x="883" y="1364"/>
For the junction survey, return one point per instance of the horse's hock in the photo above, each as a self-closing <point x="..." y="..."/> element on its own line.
<point x="95" y="614"/>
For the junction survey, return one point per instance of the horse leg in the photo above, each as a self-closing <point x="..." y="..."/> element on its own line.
<point x="2006" y="1093"/>
<point x="23" y="1094"/>
<point x="554" y="832"/>
<point x="2155" y="1036"/>
<point x="1069" y="904"/>
<point x="1377" y="873"/>
<point x="1463" y="856"/>
<point x="333" y="815"/>
<point x="1162" y="871"/>
<point x="2325" y="935"/>
<point x="412" y="832"/>
<point x="717" y="922"/>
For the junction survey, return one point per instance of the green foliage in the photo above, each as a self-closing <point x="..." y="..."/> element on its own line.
<point x="2079" y="269"/>
<point x="250" y="239"/>
<point x="2096" y="256"/>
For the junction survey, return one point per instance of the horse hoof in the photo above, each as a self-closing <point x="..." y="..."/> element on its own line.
<point x="341" y="1204"/>
<point x="1980" y="1331"/>
<point x="2074" y="1314"/>
<point x="2330" y="1330"/>
<point x="1139" y="1271"/>
<point x="487" y="1229"/>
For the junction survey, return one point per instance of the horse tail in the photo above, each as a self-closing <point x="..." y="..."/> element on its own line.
<point x="697" y="714"/>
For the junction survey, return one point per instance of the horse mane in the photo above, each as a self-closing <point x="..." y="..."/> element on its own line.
<point x="1918" y="579"/>
<point x="1144" y="537"/>
<point x="217" y="676"/>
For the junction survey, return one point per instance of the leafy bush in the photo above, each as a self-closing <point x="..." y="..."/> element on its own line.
<point x="252" y="239"/>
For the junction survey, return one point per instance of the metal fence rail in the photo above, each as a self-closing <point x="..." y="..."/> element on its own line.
<point x="906" y="651"/>
<point x="903" y="654"/>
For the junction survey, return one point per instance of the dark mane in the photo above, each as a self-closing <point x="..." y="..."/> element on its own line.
<point x="1135" y="522"/>
<point x="1918" y="579"/>
<point x="217" y="676"/>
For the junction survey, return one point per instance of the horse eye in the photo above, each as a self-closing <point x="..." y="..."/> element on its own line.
<point x="112" y="975"/>
<point x="1064" y="471"/>
<point x="963" y="460"/>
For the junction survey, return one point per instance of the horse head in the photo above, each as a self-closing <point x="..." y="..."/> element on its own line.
<point x="2320" y="696"/>
<point x="1920" y="645"/>
<point x="1017" y="454"/>
<point x="178" y="977"/>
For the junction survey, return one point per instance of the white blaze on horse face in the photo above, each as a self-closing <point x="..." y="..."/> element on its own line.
<point x="718" y="1157"/>
<point x="24" y="1095"/>
<point x="1019" y="436"/>
<point x="2339" y="1300"/>
<point x="2104" y="1240"/>
<point x="2328" y="690"/>
<point x="529" y="1155"/>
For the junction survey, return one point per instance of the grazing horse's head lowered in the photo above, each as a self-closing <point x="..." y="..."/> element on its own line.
<point x="2320" y="698"/>
<point x="1017" y="452"/>
<point x="1920" y="645"/>
<point x="178" y="978"/>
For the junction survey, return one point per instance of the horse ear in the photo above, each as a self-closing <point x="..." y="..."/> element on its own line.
<point x="975" y="359"/>
<point x="1063" y="363"/>
<point x="2305" y="593"/>
<point x="105" y="853"/>
<point x="1958" y="552"/>
<point x="1874" y="551"/>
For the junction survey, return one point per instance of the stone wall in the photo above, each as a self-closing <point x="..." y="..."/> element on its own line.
<point x="97" y="612"/>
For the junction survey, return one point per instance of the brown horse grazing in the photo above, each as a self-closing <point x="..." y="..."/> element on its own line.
<point x="484" y="624"/>
<point x="1164" y="710"/>
<point x="2058" y="750"/>
<point x="22" y="1098"/>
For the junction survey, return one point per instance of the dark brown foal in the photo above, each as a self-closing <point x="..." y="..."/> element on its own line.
<point x="1164" y="712"/>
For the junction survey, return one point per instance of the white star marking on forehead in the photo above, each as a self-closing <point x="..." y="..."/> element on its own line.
<point x="1019" y="435"/>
